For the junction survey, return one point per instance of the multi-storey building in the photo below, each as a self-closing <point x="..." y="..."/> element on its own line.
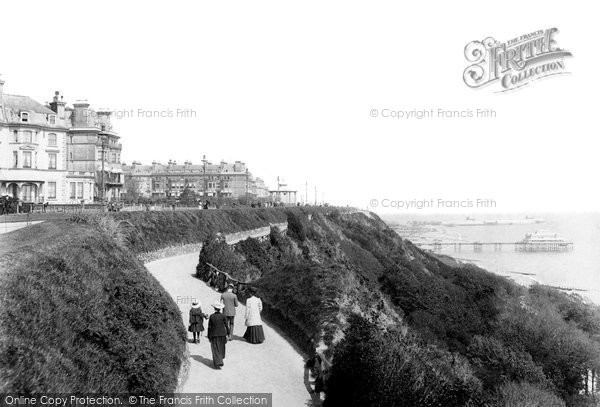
<point x="206" y="179"/>
<point x="94" y="152"/>
<point x="56" y="153"/>
<point x="33" y="161"/>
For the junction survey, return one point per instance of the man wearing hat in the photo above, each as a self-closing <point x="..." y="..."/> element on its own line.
<point x="230" y="301"/>
<point x="218" y="330"/>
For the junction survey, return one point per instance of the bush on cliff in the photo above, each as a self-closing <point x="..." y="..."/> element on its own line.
<point x="495" y="363"/>
<point x="523" y="394"/>
<point x="559" y="347"/>
<point x="225" y="258"/>
<point x="300" y="297"/>
<point x="389" y="369"/>
<point x="81" y="314"/>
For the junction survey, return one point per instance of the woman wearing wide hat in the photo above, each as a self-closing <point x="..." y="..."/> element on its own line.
<point x="254" y="331"/>
<point x="218" y="330"/>
<point x="197" y="318"/>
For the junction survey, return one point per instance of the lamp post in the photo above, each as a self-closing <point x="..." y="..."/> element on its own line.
<point x="204" y="177"/>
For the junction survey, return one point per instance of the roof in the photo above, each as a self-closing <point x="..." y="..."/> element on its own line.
<point x="20" y="103"/>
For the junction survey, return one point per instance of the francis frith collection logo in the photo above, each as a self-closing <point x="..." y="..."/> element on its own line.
<point x="514" y="63"/>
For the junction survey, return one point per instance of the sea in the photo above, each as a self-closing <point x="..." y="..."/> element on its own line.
<point x="577" y="270"/>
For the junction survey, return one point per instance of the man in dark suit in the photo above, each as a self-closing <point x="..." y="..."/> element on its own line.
<point x="230" y="301"/>
<point x="218" y="330"/>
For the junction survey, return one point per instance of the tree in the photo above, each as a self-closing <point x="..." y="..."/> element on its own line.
<point x="189" y="197"/>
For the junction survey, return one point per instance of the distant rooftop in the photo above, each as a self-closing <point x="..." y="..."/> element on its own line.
<point x="19" y="103"/>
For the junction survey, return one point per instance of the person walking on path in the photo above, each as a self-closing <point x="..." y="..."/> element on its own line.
<point x="254" y="331"/>
<point x="217" y="334"/>
<point x="230" y="301"/>
<point x="197" y="318"/>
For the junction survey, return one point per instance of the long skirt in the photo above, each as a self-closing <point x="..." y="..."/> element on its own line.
<point x="217" y="346"/>
<point x="255" y="334"/>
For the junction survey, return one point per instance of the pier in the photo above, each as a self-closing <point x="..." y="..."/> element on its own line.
<point x="499" y="246"/>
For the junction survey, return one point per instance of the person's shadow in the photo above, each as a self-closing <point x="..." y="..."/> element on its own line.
<point x="205" y="361"/>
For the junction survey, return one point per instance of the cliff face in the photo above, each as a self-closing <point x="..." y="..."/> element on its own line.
<point x="331" y="264"/>
<point x="479" y="330"/>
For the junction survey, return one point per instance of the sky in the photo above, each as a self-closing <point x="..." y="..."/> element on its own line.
<point x="288" y="88"/>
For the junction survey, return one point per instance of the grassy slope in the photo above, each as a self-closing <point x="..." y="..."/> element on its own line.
<point x="155" y="230"/>
<point x="81" y="314"/>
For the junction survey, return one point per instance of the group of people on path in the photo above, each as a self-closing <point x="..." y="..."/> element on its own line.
<point x="221" y="322"/>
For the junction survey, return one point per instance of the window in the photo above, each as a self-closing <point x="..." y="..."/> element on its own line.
<point x="27" y="192"/>
<point x="113" y="157"/>
<point x="52" y="140"/>
<point x="52" y="119"/>
<point x="27" y="137"/>
<point x="15" y="159"/>
<point x="24" y="117"/>
<point x="26" y="159"/>
<point x="16" y="136"/>
<point x="51" y="161"/>
<point x="51" y="190"/>
<point x="80" y="190"/>
<point x="72" y="188"/>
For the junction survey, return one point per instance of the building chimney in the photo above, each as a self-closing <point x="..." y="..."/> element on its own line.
<point x="58" y="105"/>
<point x="82" y="116"/>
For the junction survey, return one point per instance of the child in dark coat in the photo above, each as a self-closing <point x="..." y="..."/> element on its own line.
<point x="197" y="318"/>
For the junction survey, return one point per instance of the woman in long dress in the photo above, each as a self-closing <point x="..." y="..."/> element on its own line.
<point x="197" y="318"/>
<point x="218" y="330"/>
<point x="254" y="331"/>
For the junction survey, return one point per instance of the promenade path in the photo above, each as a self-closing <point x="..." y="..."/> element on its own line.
<point x="6" y="227"/>
<point x="274" y="366"/>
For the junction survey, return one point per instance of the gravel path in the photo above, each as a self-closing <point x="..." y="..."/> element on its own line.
<point x="274" y="366"/>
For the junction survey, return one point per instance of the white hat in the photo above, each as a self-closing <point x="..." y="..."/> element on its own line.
<point x="218" y="305"/>
<point x="196" y="303"/>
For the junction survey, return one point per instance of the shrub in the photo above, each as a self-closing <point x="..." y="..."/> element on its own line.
<point x="218" y="253"/>
<point x="255" y="254"/>
<point x="374" y="368"/>
<point x="564" y="352"/>
<point x="497" y="364"/>
<point x="301" y="297"/>
<point x="296" y="228"/>
<point x="81" y="314"/>
<point x="524" y="394"/>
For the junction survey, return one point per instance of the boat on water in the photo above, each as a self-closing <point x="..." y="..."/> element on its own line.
<point x="543" y="241"/>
